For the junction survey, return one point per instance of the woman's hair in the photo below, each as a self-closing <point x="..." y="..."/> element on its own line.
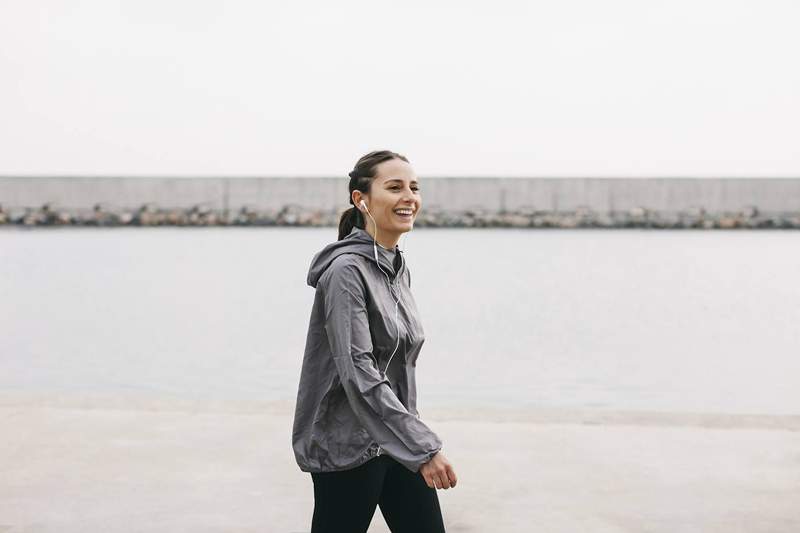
<point x="361" y="179"/>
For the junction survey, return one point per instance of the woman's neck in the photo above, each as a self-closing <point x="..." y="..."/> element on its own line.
<point x="386" y="242"/>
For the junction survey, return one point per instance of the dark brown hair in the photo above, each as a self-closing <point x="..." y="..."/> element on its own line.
<point x="361" y="179"/>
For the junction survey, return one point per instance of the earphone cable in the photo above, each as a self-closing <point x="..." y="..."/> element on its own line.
<point x="391" y="291"/>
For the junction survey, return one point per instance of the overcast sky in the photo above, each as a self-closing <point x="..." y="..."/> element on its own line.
<point x="558" y="88"/>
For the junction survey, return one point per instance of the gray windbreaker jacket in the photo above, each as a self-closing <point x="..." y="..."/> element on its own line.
<point x="346" y="412"/>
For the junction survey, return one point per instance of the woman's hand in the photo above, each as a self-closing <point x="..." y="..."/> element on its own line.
<point x="438" y="472"/>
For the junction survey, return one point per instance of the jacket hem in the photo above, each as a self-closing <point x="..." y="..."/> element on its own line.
<point x="369" y="453"/>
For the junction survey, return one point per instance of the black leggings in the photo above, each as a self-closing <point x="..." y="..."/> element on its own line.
<point x="345" y="501"/>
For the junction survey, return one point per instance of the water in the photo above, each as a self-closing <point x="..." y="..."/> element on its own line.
<point x="688" y="321"/>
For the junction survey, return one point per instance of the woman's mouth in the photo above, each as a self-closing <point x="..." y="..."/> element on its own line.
<point x="404" y="214"/>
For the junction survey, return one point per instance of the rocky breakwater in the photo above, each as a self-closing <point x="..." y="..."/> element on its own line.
<point x="49" y="215"/>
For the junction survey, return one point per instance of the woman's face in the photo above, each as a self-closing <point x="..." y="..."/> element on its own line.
<point x="394" y="188"/>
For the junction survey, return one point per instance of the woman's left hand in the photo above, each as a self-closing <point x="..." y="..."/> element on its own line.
<point x="438" y="472"/>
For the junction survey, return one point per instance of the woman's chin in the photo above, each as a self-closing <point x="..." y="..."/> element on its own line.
<point x="406" y="227"/>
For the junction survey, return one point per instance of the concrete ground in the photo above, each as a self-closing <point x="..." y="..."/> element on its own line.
<point x="135" y="467"/>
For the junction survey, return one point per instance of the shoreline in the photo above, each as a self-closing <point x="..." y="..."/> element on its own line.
<point x="474" y="414"/>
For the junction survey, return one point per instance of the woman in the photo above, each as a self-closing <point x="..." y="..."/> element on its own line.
<point x="356" y="425"/>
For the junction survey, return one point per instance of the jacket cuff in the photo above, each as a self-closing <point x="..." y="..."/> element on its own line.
<point x="431" y="454"/>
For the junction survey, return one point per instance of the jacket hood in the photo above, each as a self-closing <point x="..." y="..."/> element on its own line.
<point x="357" y="242"/>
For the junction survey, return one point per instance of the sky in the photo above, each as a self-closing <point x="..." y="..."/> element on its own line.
<point x="566" y="88"/>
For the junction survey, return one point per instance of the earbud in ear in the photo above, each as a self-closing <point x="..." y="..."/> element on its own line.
<point x="363" y="204"/>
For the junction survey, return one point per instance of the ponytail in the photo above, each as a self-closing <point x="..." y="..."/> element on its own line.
<point x="349" y="219"/>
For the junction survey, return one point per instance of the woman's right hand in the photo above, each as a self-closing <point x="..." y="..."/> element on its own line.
<point x="438" y="472"/>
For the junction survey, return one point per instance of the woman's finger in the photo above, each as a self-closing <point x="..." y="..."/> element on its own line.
<point x="445" y="480"/>
<point x="451" y="475"/>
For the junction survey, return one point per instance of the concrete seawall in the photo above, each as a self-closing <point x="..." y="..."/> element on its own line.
<point x="666" y="195"/>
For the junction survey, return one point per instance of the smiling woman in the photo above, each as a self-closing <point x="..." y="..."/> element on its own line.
<point x="389" y="188"/>
<point x="356" y="426"/>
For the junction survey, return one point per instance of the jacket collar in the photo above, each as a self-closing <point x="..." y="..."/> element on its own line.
<point x="361" y="243"/>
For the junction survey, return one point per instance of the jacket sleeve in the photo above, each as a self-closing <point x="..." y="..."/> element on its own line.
<point x="401" y="434"/>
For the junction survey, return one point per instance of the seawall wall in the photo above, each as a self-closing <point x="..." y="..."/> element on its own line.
<point x="667" y="195"/>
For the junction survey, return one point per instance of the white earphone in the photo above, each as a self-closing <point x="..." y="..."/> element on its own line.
<point x="363" y="205"/>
